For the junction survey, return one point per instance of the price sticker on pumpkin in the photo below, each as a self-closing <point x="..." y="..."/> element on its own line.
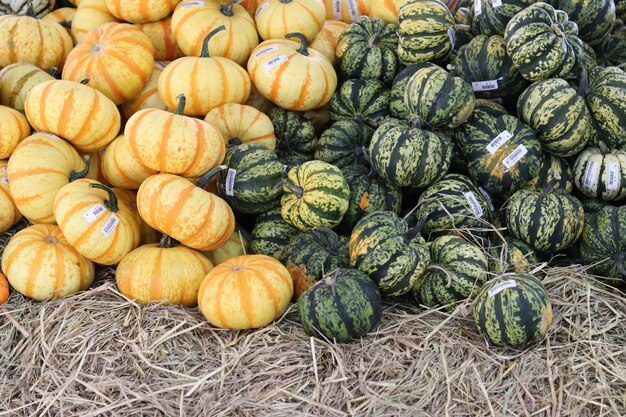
<point x="266" y="50"/>
<point x="230" y="182"/>
<point x="336" y="6"/>
<point x="487" y="197"/>
<point x="498" y="141"/>
<point x="478" y="7"/>
<point x="110" y="226"/>
<point x="613" y="182"/>
<point x="274" y="62"/>
<point x="4" y="180"/>
<point x="515" y="156"/>
<point x="192" y="4"/>
<point x="4" y="170"/>
<point x="353" y="10"/>
<point x="93" y="213"/>
<point x="590" y="174"/>
<point x="498" y="288"/>
<point x="160" y="65"/>
<point x="261" y="8"/>
<point x="496" y="3"/>
<point x="485" y="85"/>
<point x="474" y="204"/>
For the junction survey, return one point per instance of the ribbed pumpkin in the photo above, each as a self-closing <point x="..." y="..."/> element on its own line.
<point x="179" y="208"/>
<point x="606" y="100"/>
<point x="601" y="173"/>
<point x="95" y="166"/>
<point x="90" y="14"/>
<point x="116" y="58"/>
<point x="36" y="8"/>
<point x="271" y="234"/>
<point x="148" y="234"/>
<point x="364" y="101"/>
<point x="39" y="167"/>
<point x="149" y="97"/>
<point x="613" y="48"/>
<point x="277" y="18"/>
<point x="512" y="255"/>
<point x="239" y="123"/>
<point x="17" y="80"/>
<point x="553" y="168"/>
<point x="163" y="42"/>
<point x="41" y="264"/>
<point x="120" y="168"/>
<point x="594" y="18"/>
<point x="386" y="10"/>
<point x="295" y="135"/>
<point x="4" y="289"/>
<point x="346" y="10"/>
<point x="162" y="273"/>
<point x="9" y="214"/>
<point x="141" y="11"/>
<point x="17" y="34"/>
<point x="344" y="143"/>
<point x="63" y="16"/>
<point x="326" y="40"/>
<point x="13" y="128"/>
<point x="236" y="245"/>
<point x="491" y="17"/>
<point x="398" y="89"/>
<point x="316" y="195"/>
<point x="292" y="75"/>
<point x="174" y="143"/>
<point x="245" y="292"/>
<point x="78" y="113"/>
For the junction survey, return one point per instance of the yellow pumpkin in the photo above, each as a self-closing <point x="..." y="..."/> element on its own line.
<point x="76" y="2"/>
<point x="236" y="245"/>
<point x="149" y="97"/>
<point x="245" y="292"/>
<point x="99" y="225"/>
<point x="95" y="166"/>
<point x="141" y="11"/>
<point x="148" y="234"/>
<point x="207" y="82"/>
<point x="17" y="80"/>
<point x="345" y="10"/>
<point x="174" y="143"/>
<point x="116" y="58"/>
<point x="326" y="40"/>
<point x="277" y="18"/>
<point x="63" y="16"/>
<point x="39" y="167"/>
<point x="239" y="124"/>
<point x="13" y="128"/>
<point x="162" y="272"/>
<point x="192" y="21"/>
<point x="121" y="168"/>
<point x="184" y="210"/>
<point x="162" y="38"/>
<point x="386" y="10"/>
<point x="76" y="112"/>
<point x="89" y="16"/>
<point x="35" y="41"/>
<point x="9" y="214"/>
<point x="4" y="289"/>
<point x="40" y="263"/>
<point x="292" y="75"/>
<point x="250" y="6"/>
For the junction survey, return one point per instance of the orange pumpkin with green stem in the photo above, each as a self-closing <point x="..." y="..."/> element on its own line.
<point x="13" y="128"/>
<point x="326" y="40"/>
<point x="141" y="11"/>
<point x="239" y="123"/>
<point x="9" y="214"/>
<point x="121" y="168"/>
<point x="63" y="16"/>
<point x="162" y="38"/>
<point x="149" y="97"/>
<point x="277" y="18"/>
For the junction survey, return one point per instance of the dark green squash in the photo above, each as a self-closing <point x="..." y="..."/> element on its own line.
<point x="271" y="233"/>
<point x="490" y="18"/>
<point x="398" y="89"/>
<point x="613" y="47"/>
<point x="364" y="101"/>
<point x="295" y="136"/>
<point x="344" y="144"/>
<point x="553" y="169"/>
<point x="512" y="255"/>
<point x="594" y="18"/>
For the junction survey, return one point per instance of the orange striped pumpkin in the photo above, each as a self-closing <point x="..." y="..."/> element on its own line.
<point x="95" y="166"/>
<point x="277" y="18"/>
<point x="89" y="16"/>
<point x="162" y="38"/>
<point x="76" y="112"/>
<point x="174" y="143"/>
<point x="9" y="214"/>
<point x="141" y="11"/>
<point x="239" y="124"/>
<point x="121" y="168"/>
<point x="4" y="289"/>
<point x="250" y="6"/>
<point x="116" y="58"/>
<point x="236" y="245"/>
<point x="148" y="234"/>
<point x="162" y="272"/>
<point x="326" y="41"/>
<point x="386" y="10"/>
<point x="63" y="16"/>
<point x="40" y="263"/>
<point x="245" y="292"/>
<point x="17" y="80"/>
<point x="13" y="128"/>
<point x="36" y="41"/>
<point x="345" y="10"/>
<point x="292" y="75"/>
<point x="183" y="210"/>
<point x="99" y="225"/>
<point x="39" y="167"/>
<point x="149" y="97"/>
<point x="207" y="82"/>
<point x="192" y="21"/>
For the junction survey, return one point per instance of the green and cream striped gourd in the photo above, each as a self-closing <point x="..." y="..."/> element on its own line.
<point x="271" y="234"/>
<point x="295" y="136"/>
<point x="612" y="51"/>
<point x="364" y="101"/>
<point x="344" y="144"/>
<point x="553" y="169"/>
<point x="512" y="255"/>
<point x="594" y="18"/>
<point x="601" y="173"/>
<point x="398" y="89"/>
<point x="490" y="18"/>
<point x="20" y="7"/>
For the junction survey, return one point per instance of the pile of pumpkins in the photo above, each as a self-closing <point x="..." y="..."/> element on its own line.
<point x="237" y="154"/>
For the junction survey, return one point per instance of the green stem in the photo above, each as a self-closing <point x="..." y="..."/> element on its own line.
<point x="181" y="102"/>
<point x="204" y="180"/>
<point x="54" y="71"/>
<point x="30" y="12"/>
<point x="603" y="148"/>
<point x="435" y="267"/>
<point x="414" y="231"/>
<point x="111" y="202"/>
<point x="583" y="86"/>
<point x="205" y="43"/>
<point x="304" y="42"/>
<point x="76" y="175"/>
<point x="298" y="191"/>
<point x="167" y="242"/>
<point x="85" y="81"/>
<point x="227" y="9"/>
<point x="332" y="238"/>
<point x="234" y="142"/>
<point x="416" y="123"/>
<point x="65" y="24"/>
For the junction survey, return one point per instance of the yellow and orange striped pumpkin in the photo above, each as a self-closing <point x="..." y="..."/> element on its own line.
<point x="250" y="6"/>
<point x="179" y="208"/>
<point x="96" y="166"/>
<point x="236" y="245"/>
<point x="141" y="11"/>
<point x="277" y="18"/>
<point x="245" y="292"/>
<point x="76" y="112"/>
<point x="292" y="75"/>
<point x="13" y="129"/>
<point x="89" y="16"/>
<point x="39" y="167"/>
<point x="326" y="40"/>
<point x="345" y="10"/>
<point x="63" y="16"/>
<point x="99" y="225"/>
<point x="149" y="97"/>
<point x="162" y="272"/>
<point x="9" y="214"/>
<point x="40" y="263"/>
<point x="386" y="10"/>
<point x="192" y="21"/>
<point x="121" y="168"/>
<point x="4" y="289"/>
<point x="148" y="234"/>
<point x="116" y="58"/>
<point x="239" y="124"/>
<point x="162" y="38"/>
<point x="17" y="80"/>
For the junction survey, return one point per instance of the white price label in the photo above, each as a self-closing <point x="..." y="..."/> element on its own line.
<point x="266" y="50"/>
<point x="93" y="213"/>
<point x="515" y="156"/>
<point x="613" y="182"/>
<point x="192" y="4"/>
<point x="485" y="85"/>
<point x="110" y="225"/>
<point x="496" y="3"/>
<point x="498" y="141"/>
<point x="4" y="180"/>
<point x="590" y="174"/>
<point x="285" y="168"/>
<point x="451" y="35"/>
<point x="478" y="7"/>
<point x="230" y="182"/>
<point x="261" y="8"/>
<point x="474" y="204"/>
<point x="498" y="288"/>
<point x="353" y="10"/>
<point x="160" y="65"/>
<point x="336" y="6"/>
<point x="274" y="62"/>
<point x="487" y="197"/>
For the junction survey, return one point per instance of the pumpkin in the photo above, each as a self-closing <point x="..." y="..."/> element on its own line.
<point x="295" y="136"/>
<point x="594" y="19"/>
<point x="250" y="6"/>
<point x="163" y="42"/>
<point x="148" y="234"/>
<point x="4" y="289"/>
<point x="90" y="14"/>
<point x="513" y="255"/>
<point x="120" y="168"/>
<point x="512" y="309"/>
<point x="613" y="48"/>
<point x="601" y="173"/>
<point x="241" y="124"/>
<point x="271" y="234"/>
<point x="364" y="101"/>
<point x="17" y="34"/>
<point x="141" y="11"/>
<point x="346" y="10"/>
<point x="238" y="244"/>
<point x="311" y="255"/>
<point x="277" y="18"/>
<point x="149" y="97"/>
<point x="386" y="10"/>
<point x="9" y="214"/>
<point x="326" y="40"/>
<point x="35" y="8"/>
<point x="116" y="58"/>
<point x="78" y="113"/>
<point x="185" y="211"/>
<point x="344" y="144"/>
<point x="95" y="166"/>
<point x="490" y="18"/>
<point x="174" y="143"/>
<point x="311" y="77"/>
<point x="553" y="168"/>
<point x="343" y="306"/>
<point x="245" y="292"/>
<point x="17" y="80"/>
<point x="63" y="16"/>
<point x="41" y="264"/>
<point x="162" y="273"/>
<point x="397" y="108"/>
<point x="39" y="167"/>
<point x="13" y="128"/>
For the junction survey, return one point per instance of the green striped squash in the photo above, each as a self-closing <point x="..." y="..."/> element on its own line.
<point x="343" y="306"/>
<point x="549" y="221"/>
<point x="316" y="195"/>
<point x="384" y="247"/>
<point x="295" y="136"/>
<point x="398" y="89"/>
<point x="364" y="101"/>
<point x="600" y="173"/>
<point x="462" y="16"/>
<point x="426" y="31"/>
<point x="613" y="48"/>
<point x="463" y="35"/>
<point x="490" y="18"/>
<point x="482" y="107"/>
<point x="557" y="114"/>
<point x="438" y="98"/>
<point x="457" y="271"/>
<point x="367" y="49"/>
<point x="484" y="63"/>
<point x="620" y="9"/>
<point x="271" y="233"/>
<point x="344" y="143"/>
<point x="407" y="156"/>
<point x="592" y="206"/>
<point x="537" y="45"/>
<point x="513" y="255"/>
<point x="553" y="169"/>
<point x="594" y="18"/>
<point x="20" y="7"/>
<point x="512" y="309"/>
<point x="252" y="182"/>
<point x="585" y="56"/>
<point x="312" y="254"/>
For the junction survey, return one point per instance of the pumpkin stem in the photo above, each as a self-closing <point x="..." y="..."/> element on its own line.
<point x="76" y="175"/>
<point x="550" y="186"/>
<point x="416" y="123"/>
<point x="181" y="102"/>
<point x="304" y="42"/>
<point x="65" y="24"/>
<point x="167" y="242"/>
<point x="204" y="180"/>
<point x="415" y="230"/>
<point x="234" y="142"/>
<point x="205" y="44"/>
<point x="620" y="260"/>
<point x="358" y="118"/>
<point x="85" y="81"/>
<point x="435" y="267"/>
<point x="332" y="237"/>
<point x="30" y="11"/>
<point x="54" y="71"/>
<point x="298" y="191"/>
<point x="583" y="86"/>
<point x="111" y="202"/>
<point x="366" y="155"/>
<point x="603" y="148"/>
<point x="227" y="9"/>
<point x="285" y="1"/>
<point x="373" y="40"/>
